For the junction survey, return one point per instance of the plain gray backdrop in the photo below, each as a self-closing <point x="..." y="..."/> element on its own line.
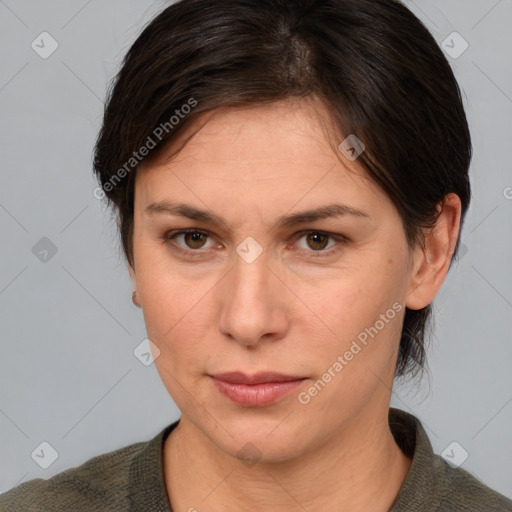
<point x="68" y="373"/>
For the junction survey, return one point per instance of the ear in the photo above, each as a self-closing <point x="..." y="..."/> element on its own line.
<point x="135" y="298"/>
<point x="432" y="261"/>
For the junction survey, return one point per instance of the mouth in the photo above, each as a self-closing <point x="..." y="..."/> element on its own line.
<point x="258" y="390"/>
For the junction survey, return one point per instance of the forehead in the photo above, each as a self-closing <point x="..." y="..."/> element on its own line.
<point x="280" y="153"/>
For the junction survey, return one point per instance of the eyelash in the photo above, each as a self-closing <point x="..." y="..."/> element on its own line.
<point x="340" y="240"/>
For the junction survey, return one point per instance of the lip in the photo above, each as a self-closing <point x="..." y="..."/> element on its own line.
<point x="258" y="390"/>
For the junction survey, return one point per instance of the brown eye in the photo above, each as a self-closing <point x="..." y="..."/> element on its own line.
<point x="190" y="241"/>
<point x="194" y="239"/>
<point x="317" y="241"/>
<point x="320" y="243"/>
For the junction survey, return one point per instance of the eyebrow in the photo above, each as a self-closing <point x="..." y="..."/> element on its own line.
<point x="191" y="212"/>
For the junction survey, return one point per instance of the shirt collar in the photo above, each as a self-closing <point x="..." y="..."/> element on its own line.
<point x="418" y="492"/>
<point x="146" y="482"/>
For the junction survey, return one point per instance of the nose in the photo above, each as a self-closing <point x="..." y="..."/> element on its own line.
<point x="253" y="302"/>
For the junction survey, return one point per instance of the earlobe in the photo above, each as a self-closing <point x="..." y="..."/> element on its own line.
<point x="135" y="299"/>
<point x="432" y="261"/>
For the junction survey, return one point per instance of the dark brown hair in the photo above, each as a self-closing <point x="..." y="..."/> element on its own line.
<point x="371" y="62"/>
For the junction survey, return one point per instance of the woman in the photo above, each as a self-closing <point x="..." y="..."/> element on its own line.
<point x="290" y="180"/>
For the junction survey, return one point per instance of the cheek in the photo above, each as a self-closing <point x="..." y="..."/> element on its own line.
<point x="178" y="315"/>
<point x="362" y="315"/>
<point x="352" y="364"/>
<point x="354" y="299"/>
<point x="171" y="316"/>
<point x="170" y="306"/>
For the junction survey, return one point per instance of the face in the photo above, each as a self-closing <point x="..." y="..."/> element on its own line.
<point x="251" y="287"/>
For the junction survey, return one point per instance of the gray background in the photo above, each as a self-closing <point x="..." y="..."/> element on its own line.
<point x="68" y="375"/>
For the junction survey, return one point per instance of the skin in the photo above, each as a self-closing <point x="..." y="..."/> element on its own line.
<point x="292" y="310"/>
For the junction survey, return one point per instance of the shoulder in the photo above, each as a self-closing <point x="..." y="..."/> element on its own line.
<point x="102" y="481"/>
<point x="461" y="491"/>
<point x="432" y="484"/>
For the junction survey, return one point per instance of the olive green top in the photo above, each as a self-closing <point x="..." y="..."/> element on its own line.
<point x="131" y="479"/>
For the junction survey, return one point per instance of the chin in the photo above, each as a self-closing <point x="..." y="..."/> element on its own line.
<point x="260" y="440"/>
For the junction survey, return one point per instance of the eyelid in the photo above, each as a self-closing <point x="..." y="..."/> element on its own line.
<point x="340" y="241"/>
<point x="169" y="237"/>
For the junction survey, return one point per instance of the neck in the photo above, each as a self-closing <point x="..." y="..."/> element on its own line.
<point x="360" y="467"/>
